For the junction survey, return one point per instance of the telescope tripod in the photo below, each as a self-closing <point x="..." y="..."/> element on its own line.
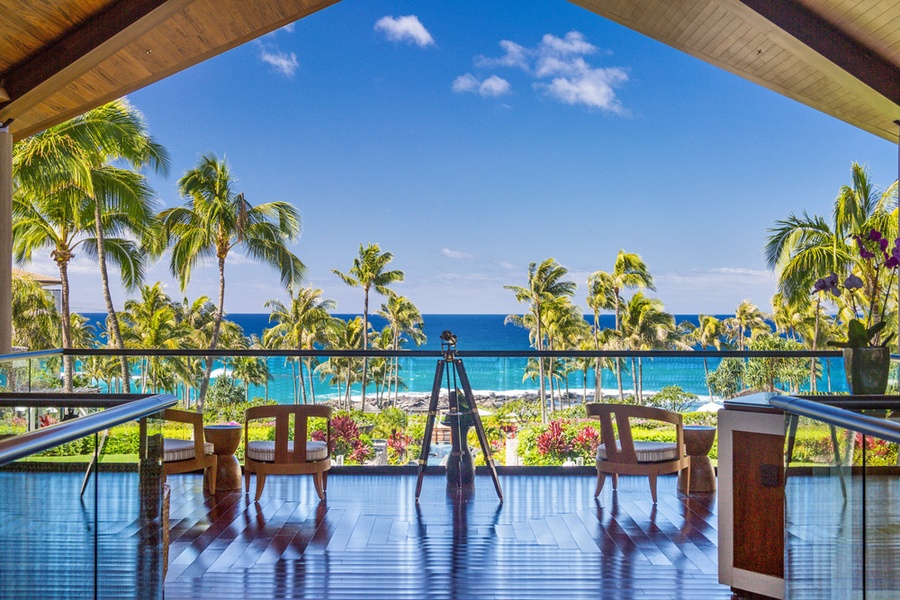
<point x="463" y="413"/>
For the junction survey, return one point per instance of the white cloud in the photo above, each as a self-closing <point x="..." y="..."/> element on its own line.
<point x="455" y="253"/>
<point x="560" y="71"/>
<point x="514" y="55"/>
<point x="289" y="27"/>
<point x="574" y="43"/>
<point x="285" y="63"/>
<point x="591" y="87"/>
<point x="507" y="265"/>
<point x="405" y="29"/>
<point x="493" y="86"/>
<point x="465" y="83"/>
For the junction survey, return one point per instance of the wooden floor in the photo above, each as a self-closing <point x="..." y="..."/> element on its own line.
<point x="550" y="538"/>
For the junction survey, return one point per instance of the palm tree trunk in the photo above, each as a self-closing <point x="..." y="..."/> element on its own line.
<point x="542" y="393"/>
<point x="641" y="379"/>
<point x="812" y="363"/>
<point x="634" y="379"/>
<point x="302" y="381"/>
<point x="66" y="322"/>
<point x="365" y="336"/>
<point x="220" y="311"/>
<point x="309" y="373"/>
<point x="115" y="332"/>
<point x="706" y="373"/>
<point x="619" y="379"/>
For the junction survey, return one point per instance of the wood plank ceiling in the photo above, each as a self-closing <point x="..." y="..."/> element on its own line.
<point x="59" y="58"/>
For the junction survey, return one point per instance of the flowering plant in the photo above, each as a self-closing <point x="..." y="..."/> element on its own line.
<point x="868" y="297"/>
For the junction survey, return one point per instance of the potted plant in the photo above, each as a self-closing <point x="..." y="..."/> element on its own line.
<point x="867" y="290"/>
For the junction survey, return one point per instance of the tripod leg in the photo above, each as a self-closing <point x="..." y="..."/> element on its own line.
<point x="429" y="425"/>
<point x="479" y="428"/>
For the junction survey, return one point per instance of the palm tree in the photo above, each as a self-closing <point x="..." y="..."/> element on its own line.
<point x="545" y="283"/>
<point x="647" y="327"/>
<point x="343" y="335"/>
<point x="80" y="155"/>
<point x="250" y="370"/>
<point x="370" y="270"/>
<point x="152" y="323"/>
<point x="300" y="325"/>
<point x="403" y="318"/>
<point x="35" y="320"/>
<point x="629" y="273"/>
<point x="215" y="220"/>
<point x="707" y="333"/>
<point x="803" y="249"/>
<point x="600" y="297"/>
<point x="746" y="317"/>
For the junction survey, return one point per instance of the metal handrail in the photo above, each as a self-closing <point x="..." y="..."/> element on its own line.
<point x="229" y="352"/>
<point x="32" y="354"/>
<point x="57" y="399"/>
<point x="25" y="445"/>
<point x="839" y="417"/>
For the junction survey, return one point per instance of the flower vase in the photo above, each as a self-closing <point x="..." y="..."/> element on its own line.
<point x="867" y="370"/>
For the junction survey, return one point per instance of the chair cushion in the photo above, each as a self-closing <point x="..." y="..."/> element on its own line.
<point x="265" y="451"/>
<point x="646" y="452"/>
<point x="175" y="450"/>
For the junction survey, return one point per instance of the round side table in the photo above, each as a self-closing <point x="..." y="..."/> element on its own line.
<point x="225" y="440"/>
<point x="698" y="441"/>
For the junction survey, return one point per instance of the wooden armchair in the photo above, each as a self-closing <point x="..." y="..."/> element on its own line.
<point x="619" y="454"/>
<point x="184" y="456"/>
<point x="285" y="457"/>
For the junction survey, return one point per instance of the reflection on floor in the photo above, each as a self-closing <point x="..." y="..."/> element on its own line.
<point x="371" y="540"/>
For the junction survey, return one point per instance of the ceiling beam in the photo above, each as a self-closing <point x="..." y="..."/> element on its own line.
<point x="833" y="44"/>
<point x="57" y="65"/>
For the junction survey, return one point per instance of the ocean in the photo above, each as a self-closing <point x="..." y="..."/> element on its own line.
<point x="501" y="375"/>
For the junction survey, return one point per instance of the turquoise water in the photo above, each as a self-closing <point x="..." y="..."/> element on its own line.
<point x="488" y="332"/>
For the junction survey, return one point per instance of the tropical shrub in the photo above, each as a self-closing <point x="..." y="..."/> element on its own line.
<point x="347" y="440"/>
<point x="671" y="397"/>
<point x="558" y="441"/>
<point x="398" y="444"/>
<point x="389" y="420"/>
<point x="225" y="391"/>
<point x="725" y="381"/>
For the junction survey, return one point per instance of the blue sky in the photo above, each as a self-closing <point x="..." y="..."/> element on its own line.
<point x="472" y="138"/>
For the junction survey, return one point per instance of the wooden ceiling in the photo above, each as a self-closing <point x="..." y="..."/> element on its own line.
<point x="59" y="58"/>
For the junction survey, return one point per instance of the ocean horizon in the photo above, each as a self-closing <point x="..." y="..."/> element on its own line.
<point x="503" y="376"/>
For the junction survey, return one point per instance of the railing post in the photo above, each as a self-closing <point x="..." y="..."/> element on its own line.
<point x="6" y="189"/>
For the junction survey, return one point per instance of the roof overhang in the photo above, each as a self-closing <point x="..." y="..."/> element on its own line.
<point x="60" y="58"/>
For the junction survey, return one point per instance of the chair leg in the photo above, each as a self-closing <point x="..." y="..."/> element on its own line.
<point x="211" y="474"/>
<point x="601" y="477"/>
<point x="653" y="487"/>
<point x="317" y="481"/>
<point x="325" y="481"/>
<point x="260" y="483"/>
<point x="615" y="478"/>
<point x="687" y="480"/>
<point x="246" y="479"/>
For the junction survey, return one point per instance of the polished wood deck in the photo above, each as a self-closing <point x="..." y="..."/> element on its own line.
<point x="550" y="538"/>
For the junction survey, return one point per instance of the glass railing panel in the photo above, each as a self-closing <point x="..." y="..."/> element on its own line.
<point x="68" y="535"/>
<point x="823" y="506"/>
<point x="880" y="516"/>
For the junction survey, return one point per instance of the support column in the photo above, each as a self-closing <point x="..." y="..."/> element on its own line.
<point x="6" y="188"/>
